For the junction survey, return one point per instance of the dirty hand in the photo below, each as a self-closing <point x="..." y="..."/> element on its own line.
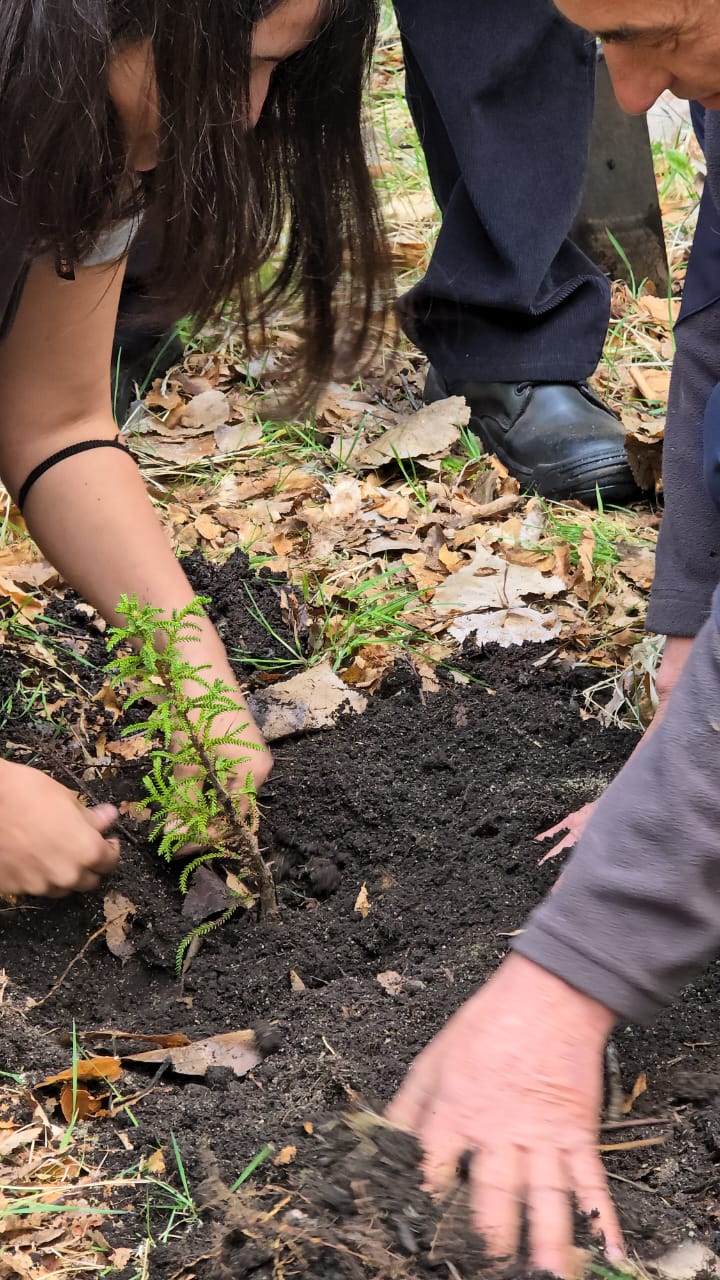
<point x="675" y="655"/>
<point x="49" y="844"/>
<point x="515" y="1078"/>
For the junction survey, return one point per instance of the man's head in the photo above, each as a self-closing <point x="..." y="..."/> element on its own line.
<point x="652" y="45"/>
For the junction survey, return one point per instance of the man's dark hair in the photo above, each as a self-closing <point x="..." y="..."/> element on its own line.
<point x="226" y="200"/>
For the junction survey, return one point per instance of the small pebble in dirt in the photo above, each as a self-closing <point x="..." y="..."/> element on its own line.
<point x="269" y="1038"/>
<point x="219" y="1078"/>
<point x="324" y="876"/>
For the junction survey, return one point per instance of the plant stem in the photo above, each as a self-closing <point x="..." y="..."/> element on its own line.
<point x="241" y="834"/>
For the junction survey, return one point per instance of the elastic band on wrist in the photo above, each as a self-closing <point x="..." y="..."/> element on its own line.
<point x="83" y="447"/>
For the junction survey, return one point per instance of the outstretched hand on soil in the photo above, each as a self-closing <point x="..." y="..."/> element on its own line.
<point x="515" y="1080"/>
<point x="570" y="829"/>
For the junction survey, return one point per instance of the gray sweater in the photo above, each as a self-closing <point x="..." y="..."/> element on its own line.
<point x="637" y="912"/>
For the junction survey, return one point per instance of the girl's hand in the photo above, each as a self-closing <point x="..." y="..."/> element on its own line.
<point x="49" y="844"/>
<point x="676" y="654"/>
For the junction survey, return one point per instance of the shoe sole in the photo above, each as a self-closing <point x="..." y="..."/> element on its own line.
<point x="610" y="476"/>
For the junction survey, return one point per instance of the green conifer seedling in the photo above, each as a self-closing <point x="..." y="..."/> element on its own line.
<point x="189" y="780"/>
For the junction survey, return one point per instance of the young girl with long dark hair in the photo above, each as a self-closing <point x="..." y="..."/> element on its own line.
<point x="227" y="131"/>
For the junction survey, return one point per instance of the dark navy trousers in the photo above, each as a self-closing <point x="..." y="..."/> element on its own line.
<point x="501" y="92"/>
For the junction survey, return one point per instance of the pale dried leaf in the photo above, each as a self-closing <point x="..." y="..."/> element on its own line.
<point x="432" y="429"/>
<point x="208" y="411"/>
<point x="362" y="903"/>
<point x="231" y="437"/>
<point x="391" y="982"/>
<point x="507" y="627"/>
<point x="489" y="582"/>
<point x="307" y="702"/>
<point x="119" y="911"/>
<point x="687" y="1260"/>
<point x="235" y="1049"/>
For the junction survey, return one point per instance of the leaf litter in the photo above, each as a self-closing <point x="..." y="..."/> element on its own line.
<point x="406" y="489"/>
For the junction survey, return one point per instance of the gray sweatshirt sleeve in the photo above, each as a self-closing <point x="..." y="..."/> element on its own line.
<point x="688" y="554"/>
<point x="636" y="914"/>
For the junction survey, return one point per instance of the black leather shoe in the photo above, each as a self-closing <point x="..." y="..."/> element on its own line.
<point x="558" y="439"/>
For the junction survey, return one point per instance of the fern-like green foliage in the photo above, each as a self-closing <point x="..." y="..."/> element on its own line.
<point x="197" y="807"/>
<point x="188" y="809"/>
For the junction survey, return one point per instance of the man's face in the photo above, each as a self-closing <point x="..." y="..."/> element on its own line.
<point x="653" y="45"/>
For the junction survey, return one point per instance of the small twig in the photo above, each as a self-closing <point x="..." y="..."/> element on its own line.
<point x="639" y="1186"/>
<point x="246" y="838"/>
<point x="634" y="1144"/>
<point x="93" y="938"/>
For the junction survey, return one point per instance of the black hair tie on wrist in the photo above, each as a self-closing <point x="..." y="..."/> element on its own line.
<point x="60" y="456"/>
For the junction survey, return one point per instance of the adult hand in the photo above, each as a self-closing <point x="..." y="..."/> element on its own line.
<point x="49" y="844"/>
<point x="675" y="655"/>
<point x="515" y="1078"/>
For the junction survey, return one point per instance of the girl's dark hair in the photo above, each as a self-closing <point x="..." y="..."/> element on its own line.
<point x="225" y="200"/>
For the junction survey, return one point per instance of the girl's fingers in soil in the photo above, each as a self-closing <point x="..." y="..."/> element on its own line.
<point x="550" y="1218"/>
<point x="563" y="846"/>
<point x="496" y="1198"/>
<point x="102" y="816"/>
<point x="587" y="1178"/>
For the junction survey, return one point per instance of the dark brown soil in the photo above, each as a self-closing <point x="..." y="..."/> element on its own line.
<point x="431" y="801"/>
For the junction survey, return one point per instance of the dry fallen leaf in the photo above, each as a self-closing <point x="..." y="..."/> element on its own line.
<point x="507" y="627"/>
<point x="207" y="895"/>
<point x="235" y="1049"/>
<point x="109" y="1069"/>
<point x="231" y="437"/>
<point x="129" y="748"/>
<point x="306" y="702"/>
<point x="362" y="903"/>
<point x="391" y="982"/>
<point x="286" y="1156"/>
<point x="119" y="911"/>
<point x="490" y="582"/>
<point x="638" y="1089"/>
<point x="432" y="429"/>
<point x="154" y="1163"/>
<point x="206" y="412"/>
<point x="79" y="1104"/>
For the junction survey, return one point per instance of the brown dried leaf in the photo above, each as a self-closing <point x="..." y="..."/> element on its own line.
<point x="362" y="903"/>
<point x="207" y="895"/>
<point x="205" y="412"/>
<point x="432" y="429"/>
<point x="303" y="704"/>
<point x="82" y="1105"/>
<point x="108" y="1069"/>
<point x="638" y="1089"/>
<point x="233" y="436"/>
<point x="286" y="1156"/>
<point x="119" y="911"/>
<point x="235" y="1049"/>
<point x="133" y="748"/>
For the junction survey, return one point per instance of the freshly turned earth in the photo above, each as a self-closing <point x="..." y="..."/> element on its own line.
<point x="431" y="801"/>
